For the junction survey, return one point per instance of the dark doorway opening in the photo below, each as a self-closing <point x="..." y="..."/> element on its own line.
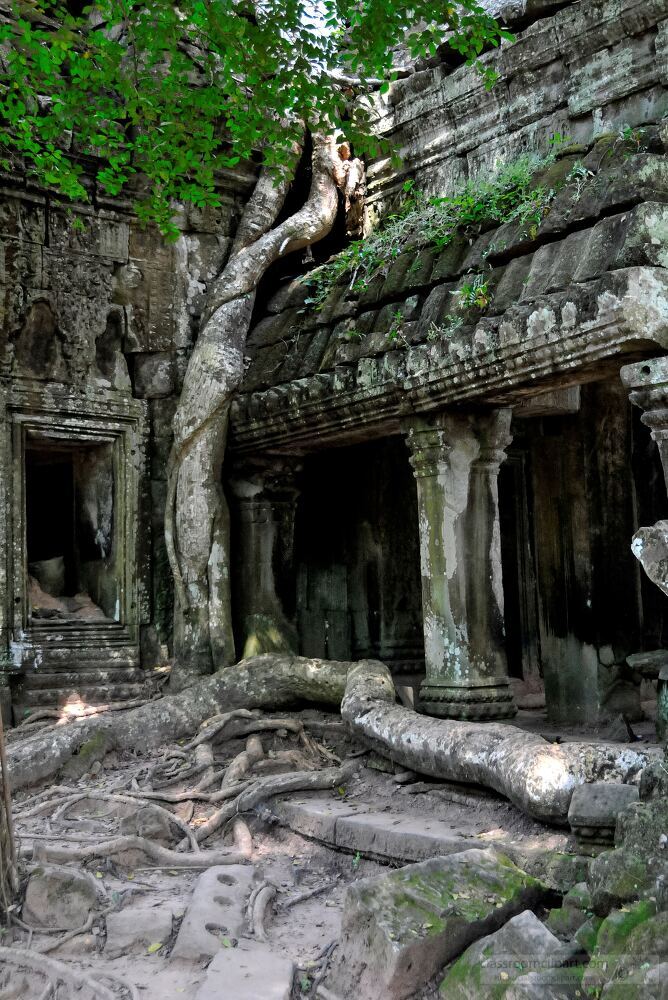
<point x="69" y="514"/>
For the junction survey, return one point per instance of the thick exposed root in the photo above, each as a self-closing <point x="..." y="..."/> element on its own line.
<point x="536" y="775"/>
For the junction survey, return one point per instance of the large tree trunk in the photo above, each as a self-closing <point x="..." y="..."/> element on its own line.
<point x="539" y="777"/>
<point x="197" y="519"/>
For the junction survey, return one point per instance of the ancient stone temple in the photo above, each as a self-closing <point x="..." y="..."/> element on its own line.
<point x="453" y="491"/>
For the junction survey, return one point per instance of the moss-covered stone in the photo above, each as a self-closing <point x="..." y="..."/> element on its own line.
<point x="489" y="967"/>
<point x="400" y="928"/>
<point x="617" y="877"/>
<point x="630" y="943"/>
<point x="565" y="921"/>
<point x="579" y="897"/>
<point x="641" y="826"/>
<point x="587" y="934"/>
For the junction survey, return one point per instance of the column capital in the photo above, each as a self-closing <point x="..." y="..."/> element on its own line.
<point x="647" y="383"/>
<point x="483" y="433"/>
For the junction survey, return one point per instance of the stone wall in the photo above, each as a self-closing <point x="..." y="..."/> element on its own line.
<point x="97" y="320"/>
<point x="571" y="299"/>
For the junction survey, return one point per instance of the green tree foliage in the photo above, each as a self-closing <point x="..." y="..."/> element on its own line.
<point x="156" y="97"/>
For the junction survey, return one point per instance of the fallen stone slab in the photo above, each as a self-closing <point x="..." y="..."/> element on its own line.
<point x="251" y="971"/>
<point x="490" y="965"/>
<point x="315" y="817"/>
<point x="58" y="896"/>
<point x="393" y="835"/>
<point x="215" y="917"/>
<point x="593" y="813"/>
<point x="400" y="928"/>
<point x="356" y="827"/>
<point x="135" y="929"/>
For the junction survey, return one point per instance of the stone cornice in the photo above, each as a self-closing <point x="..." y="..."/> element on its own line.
<point x="560" y="339"/>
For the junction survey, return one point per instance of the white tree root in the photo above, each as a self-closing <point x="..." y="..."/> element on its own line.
<point x="261" y="904"/>
<point x="243" y="839"/>
<point x="539" y="777"/>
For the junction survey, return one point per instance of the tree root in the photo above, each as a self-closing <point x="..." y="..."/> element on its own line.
<point x="243" y="839"/>
<point x="261" y="904"/>
<point x="537" y="776"/>
<point x="131" y="842"/>
<point x="57" y="972"/>
<point x="265" y="788"/>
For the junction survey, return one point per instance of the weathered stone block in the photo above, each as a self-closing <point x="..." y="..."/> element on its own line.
<point x="488" y="967"/>
<point x="399" y="836"/>
<point x="399" y="929"/>
<point x="154" y="375"/>
<point x="594" y="809"/>
<point x="57" y="896"/>
<point x="216" y="911"/>
<point x="599" y="79"/>
<point x="248" y="972"/>
<point x="136" y="928"/>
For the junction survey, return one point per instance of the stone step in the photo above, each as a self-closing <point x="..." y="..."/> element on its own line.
<point x="356" y="827"/>
<point x="251" y="971"/>
<point x="90" y="676"/>
<point x="27" y="701"/>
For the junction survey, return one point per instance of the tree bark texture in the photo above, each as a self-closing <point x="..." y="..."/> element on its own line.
<point x="197" y="517"/>
<point x="539" y="777"/>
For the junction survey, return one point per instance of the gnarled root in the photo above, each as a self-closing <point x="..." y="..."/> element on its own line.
<point x="539" y="777"/>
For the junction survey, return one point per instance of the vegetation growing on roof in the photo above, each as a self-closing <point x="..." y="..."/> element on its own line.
<point x="512" y="193"/>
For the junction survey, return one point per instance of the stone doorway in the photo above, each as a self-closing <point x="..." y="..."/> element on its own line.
<point x="358" y="558"/>
<point x="70" y="529"/>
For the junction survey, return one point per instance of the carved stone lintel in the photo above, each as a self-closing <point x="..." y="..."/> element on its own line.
<point x="456" y="458"/>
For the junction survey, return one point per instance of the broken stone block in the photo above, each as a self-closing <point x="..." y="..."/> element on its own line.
<point x="215" y="917"/>
<point x="493" y="962"/>
<point x="136" y="928"/>
<point x="248" y="972"/>
<point x="400" y="928"/>
<point x="593" y="812"/>
<point x="57" y="896"/>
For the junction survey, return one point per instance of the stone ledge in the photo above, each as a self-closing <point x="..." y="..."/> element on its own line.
<point x="558" y="339"/>
<point x="356" y="827"/>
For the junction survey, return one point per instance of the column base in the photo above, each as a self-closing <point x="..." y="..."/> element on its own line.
<point x="484" y="703"/>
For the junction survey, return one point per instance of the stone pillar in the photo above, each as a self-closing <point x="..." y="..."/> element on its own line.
<point x="456" y="458"/>
<point x="647" y="384"/>
<point x="266" y="499"/>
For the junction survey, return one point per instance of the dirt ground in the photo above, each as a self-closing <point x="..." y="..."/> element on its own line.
<point x="310" y="879"/>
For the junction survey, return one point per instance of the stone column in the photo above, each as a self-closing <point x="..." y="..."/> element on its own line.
<point x="266" y="498"/>
<point x="647" y="383"/>
<point x="456" y="458"/>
